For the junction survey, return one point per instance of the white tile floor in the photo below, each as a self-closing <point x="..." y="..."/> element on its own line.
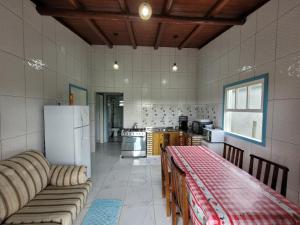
<point x="135" y="181"/>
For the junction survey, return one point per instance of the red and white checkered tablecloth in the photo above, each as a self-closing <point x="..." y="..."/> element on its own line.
<point x="221" y="193"/>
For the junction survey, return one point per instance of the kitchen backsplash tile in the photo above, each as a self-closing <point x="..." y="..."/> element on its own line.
<point x="164" y="115"/>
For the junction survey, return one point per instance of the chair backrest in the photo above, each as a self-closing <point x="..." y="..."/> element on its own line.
<point x="233" y="154"/>
<point x="164" y="162"/>
<point x="266" y="175"/>
<point x="182" y="139"/>
<point x="166" y="140"/>
<point x="179" y="189"/>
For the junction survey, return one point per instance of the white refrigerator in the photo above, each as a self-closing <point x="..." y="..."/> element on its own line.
<point x="67" y="135"/>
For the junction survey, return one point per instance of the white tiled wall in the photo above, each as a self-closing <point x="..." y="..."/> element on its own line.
<point x="24" y="90"/>
<point x="269" y="42"/>
<point x="145" y="77"/>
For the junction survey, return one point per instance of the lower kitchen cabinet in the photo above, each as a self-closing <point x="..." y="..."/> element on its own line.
<point x="157" y="140"/>
<point x="171" y="138"/>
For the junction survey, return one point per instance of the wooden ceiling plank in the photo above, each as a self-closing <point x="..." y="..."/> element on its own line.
<point x="215" y="36"/>
<point x="92" y="24"/>
<point x="88" y="14"/>
<point x="214" y="10"/>
<point x="129" y="26"/>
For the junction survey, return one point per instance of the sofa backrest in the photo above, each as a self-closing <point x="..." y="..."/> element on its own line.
<point x="21" y="178"/>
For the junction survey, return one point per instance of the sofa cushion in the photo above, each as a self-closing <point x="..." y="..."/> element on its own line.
<point x="34" y="224"/>
<point x="21" y="178"/>
<point x="67" y="175"/>
<point x="59" y="205"/>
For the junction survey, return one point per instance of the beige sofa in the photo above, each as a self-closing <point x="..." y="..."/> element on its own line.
<point x="34" y="192"/>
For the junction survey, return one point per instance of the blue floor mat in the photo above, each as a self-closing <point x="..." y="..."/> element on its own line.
<point x="103" y="212"/>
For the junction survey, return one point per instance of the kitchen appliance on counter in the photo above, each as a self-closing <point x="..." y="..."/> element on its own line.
<point x="199" y="125"/>
<point x="213" y="135"/>
<point x="183" y="123"/>
<point x="133" y="142"/>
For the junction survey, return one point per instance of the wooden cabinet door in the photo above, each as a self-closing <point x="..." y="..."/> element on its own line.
<point x="157" y="138"/>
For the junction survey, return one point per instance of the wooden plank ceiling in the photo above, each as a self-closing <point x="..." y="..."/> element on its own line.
<point x="174" y="23"/>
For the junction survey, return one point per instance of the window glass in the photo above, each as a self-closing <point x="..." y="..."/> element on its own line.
<point x="248" y="124"/>
<point x="241" y="99"/>
<point x="231" y="99"/>
<point x="255" y="96"/>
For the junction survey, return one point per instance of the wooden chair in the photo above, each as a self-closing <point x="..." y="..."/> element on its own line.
<point x="179" y="194"/>
<point x="165" y="180"/>
<point x="233" y="155"/>
<point x="276" y="168"/>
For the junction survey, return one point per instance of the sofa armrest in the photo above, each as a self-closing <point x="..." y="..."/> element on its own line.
<point x="64" y="175"/>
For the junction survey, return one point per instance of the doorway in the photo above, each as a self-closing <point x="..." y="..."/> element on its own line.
<point x="109" y="117"/>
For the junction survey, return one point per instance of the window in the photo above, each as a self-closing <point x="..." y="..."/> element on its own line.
<point x="245" y="104"/>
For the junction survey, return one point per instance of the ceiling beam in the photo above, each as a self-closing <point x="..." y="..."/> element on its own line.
<point x="93" y="25"/>
<point x="75" y="4"/>
<point x="190" y="36"/>
<point x="168" y="6"/>
<point x="88" y="14"/>
<point x="129" y="26"/>
<point x="161" y="26"/>
<point x="160" y="29"/>
<point x="131" y="34"/>
<point x="123" y="5"/>
<point x="214" y="10"/>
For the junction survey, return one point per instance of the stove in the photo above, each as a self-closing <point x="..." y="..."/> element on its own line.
<point x="138" y="132"/>
<point x="133" y="142"/>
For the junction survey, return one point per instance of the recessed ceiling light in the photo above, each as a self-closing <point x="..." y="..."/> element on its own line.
<point x="116" y="66"/>
<point x="145" y="11"/>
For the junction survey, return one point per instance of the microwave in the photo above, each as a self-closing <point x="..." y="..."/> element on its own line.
<point x="199" y="125"/>
<point x="213" y="135"/>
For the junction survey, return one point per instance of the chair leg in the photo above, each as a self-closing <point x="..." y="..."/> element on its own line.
<point x="163" y="187"/>
<point x="168" y="202"/>
<point x="174" y="216"/>
<point x="185" y="211"/>
<point x="185" y="218"/>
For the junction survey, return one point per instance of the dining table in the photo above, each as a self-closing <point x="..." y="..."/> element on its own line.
<point x="221" y="193"/>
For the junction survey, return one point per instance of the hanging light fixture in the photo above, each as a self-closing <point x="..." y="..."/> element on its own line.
<point x="116" y="66"/>
<point x="145" y="11"/>
<point x="174" y="67"/>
